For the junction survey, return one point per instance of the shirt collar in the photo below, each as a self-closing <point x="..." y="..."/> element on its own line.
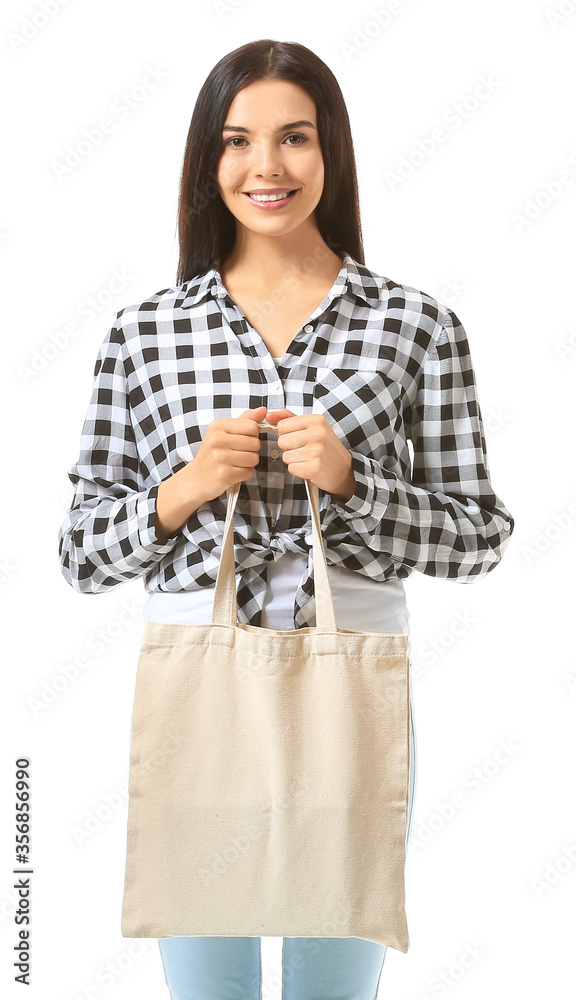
<point x="355" y="277"/>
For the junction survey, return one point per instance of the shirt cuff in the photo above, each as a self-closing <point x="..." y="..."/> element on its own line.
<point x="361" y="503"/>
<point x="146" y="520"/>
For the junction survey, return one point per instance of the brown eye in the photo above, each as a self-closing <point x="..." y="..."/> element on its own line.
<point x="297" y="135"/>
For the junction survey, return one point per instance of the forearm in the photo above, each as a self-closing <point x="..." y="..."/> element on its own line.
<point x="177" y="499"/>
<point x="348" y="488"/>
<point x="430" y="531"/>
<point x="104" y="541"/>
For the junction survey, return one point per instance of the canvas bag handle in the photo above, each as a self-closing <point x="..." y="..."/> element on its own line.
<point x="225" y="610"/>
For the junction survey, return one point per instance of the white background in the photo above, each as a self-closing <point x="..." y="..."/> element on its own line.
<point x="499" y="873"/>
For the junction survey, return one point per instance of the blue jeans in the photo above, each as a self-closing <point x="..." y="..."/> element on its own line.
<point x="332" y="968"/>
<point x="229" y="968"/>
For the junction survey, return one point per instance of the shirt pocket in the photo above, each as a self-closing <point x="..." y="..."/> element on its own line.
<point x="359" y="402"/>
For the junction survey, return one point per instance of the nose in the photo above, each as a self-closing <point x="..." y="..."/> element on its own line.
<point x="267" y="157"/>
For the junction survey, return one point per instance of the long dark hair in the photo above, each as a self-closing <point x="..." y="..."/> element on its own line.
<point x="206" y="227"/>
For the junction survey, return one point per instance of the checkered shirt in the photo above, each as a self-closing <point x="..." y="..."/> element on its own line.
<point x="386" y="364"/>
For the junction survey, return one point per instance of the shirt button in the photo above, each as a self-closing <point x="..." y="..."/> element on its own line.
<point x="275" y="385"/>
<point x="275" y="453"/>
<point x="506" y="525"/>
<point x="308" y="328"/>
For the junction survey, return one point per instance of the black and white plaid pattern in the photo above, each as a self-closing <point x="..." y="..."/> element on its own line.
<point x="384" y="362"/>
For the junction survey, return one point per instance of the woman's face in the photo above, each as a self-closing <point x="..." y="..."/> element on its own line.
<point x="270" y="141"/>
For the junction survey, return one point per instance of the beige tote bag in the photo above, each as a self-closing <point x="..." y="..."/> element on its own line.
<point x="269" y="774"/>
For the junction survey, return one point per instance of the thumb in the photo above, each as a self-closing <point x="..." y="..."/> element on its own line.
<point x="274" y="416"/>
<point x="256" y="414"/>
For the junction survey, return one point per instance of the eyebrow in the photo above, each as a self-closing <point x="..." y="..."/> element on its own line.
<point x="239" y="128"/>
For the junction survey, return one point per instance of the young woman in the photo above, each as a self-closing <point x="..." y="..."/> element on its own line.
<point x="276" y="319"/>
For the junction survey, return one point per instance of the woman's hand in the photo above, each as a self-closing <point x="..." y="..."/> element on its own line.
<point x="312" y="451"/>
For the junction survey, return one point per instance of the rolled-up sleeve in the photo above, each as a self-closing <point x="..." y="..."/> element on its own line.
<point x="447" y="521"/>
<point x="108" y="535"/>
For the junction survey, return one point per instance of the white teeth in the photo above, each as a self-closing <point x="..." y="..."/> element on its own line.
<point x="269" y="197"/>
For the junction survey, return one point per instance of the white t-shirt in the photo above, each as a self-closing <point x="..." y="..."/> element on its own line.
<point x="360" y="604"/>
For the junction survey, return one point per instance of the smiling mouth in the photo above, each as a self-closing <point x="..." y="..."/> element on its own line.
<point x="270" y="199"/>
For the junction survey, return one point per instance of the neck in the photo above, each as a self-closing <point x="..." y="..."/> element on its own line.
<point x="275" y="260"/>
